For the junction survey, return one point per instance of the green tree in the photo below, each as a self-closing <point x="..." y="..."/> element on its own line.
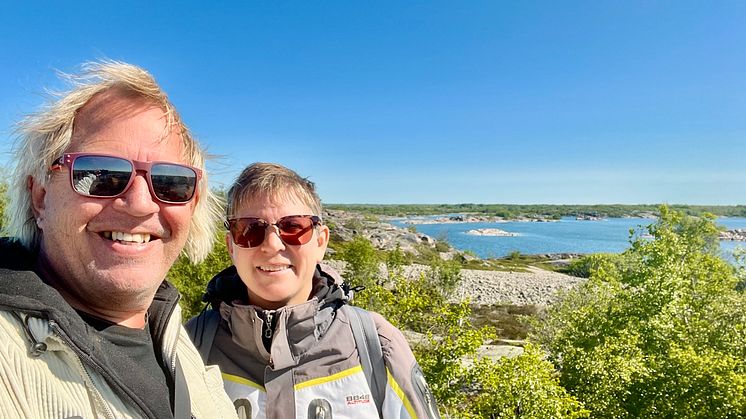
<point x="662" y="335"/>
<point x="465" y="385"/>
<point x="362" y="262"/>
<point x="191" y="280"/>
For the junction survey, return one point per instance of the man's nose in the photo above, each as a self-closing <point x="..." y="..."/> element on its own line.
<point x="137" y="200"/>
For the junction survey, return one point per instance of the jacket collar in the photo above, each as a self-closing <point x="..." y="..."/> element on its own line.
<point x="297" y="328"/>
<point x="21" y="289"/>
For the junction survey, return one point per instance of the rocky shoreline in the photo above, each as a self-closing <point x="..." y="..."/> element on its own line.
<point x="466" y="218"/>
<point x="738" y="234"/>
<point x="482" y="287"/>
<point x="536" y="287"/>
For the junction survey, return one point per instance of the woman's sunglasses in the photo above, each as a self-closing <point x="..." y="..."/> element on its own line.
<point x="105" y="176"/>
<point x="294" y="230"/>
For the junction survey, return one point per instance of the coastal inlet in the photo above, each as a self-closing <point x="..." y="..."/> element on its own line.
<point x="496" y="238"/>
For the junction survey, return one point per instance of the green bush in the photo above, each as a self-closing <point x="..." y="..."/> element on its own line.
<point x="442" y="246"/>
<point x="663" y="335"/>
<point x="191" y="280"/>
<point x="444" y="275"/>
<point x="395" y="261"/>
<point x="362" y="262"/>
<point x="587" y="265"/>
<point x="523" y="387"/>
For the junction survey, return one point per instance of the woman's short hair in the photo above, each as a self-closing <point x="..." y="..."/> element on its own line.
<point x="272" y="181"/>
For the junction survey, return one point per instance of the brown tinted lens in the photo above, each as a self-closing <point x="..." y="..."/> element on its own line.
<point x="296" y="229"/>
<point x="247" y="232"/>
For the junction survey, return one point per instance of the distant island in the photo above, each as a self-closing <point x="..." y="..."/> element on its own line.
<point x="466" y="218"/>
<point x="495" y="232"/>
<point x="536" y="211"/>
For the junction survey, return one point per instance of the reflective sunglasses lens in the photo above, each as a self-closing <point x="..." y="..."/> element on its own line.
<point x="247" y="232"/>
<point x="296" y="230"/>
<point x="173" y="182"/>
<point x="100" y="176"/>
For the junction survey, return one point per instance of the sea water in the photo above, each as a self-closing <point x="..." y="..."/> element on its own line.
<point x="567" y="235"/>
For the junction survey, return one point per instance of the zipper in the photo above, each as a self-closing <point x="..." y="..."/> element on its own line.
<point x="87" y="376"/>
<point x="268" y="331"/>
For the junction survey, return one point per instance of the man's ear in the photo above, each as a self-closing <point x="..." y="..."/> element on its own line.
<point x="38" y="193"/>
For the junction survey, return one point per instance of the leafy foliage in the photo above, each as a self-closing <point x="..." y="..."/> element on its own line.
<point x="524" y="387"/>
<point x="191" y="280"/>
<point x="584" y="267"/>
<point x="663" y="335"/>
<point x="362" y="262"/>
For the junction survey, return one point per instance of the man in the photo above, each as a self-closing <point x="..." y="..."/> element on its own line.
<point x="88" y="326"/>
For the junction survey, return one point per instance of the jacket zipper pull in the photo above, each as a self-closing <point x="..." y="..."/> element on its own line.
<point x="268" y="325"/>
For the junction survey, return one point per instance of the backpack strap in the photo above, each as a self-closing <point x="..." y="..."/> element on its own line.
<point x="369" y="350"/>
<point x="202" y="330"/>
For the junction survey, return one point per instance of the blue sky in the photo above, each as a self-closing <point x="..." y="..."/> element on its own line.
<point x="427" y="102"/>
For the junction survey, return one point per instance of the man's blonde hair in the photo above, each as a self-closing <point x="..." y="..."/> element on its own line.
<point x="274" y="182"/>
<point x="44" y="136"/>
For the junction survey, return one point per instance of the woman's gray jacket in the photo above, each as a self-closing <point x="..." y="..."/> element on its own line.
<point x="312" y="368"/>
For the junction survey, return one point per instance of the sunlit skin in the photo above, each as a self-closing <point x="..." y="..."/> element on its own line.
<point x="113" y="280"/>
<point x="277" y="274"/>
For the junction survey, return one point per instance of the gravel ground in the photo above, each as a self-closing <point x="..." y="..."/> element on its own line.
<point x="519" y="288"/>
<point x="491" y="287"/>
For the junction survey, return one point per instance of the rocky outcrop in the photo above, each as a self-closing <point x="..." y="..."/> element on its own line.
<point x="589" y="217"/>
<point x="466" y="218"/>
<point x="495" y="232"/>
<point x="738" y="234"/>
<point x="455" y="219"/>
<point x="384" y="236"/>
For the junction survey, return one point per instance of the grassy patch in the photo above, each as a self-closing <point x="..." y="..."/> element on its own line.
<point x="510" y="321"/>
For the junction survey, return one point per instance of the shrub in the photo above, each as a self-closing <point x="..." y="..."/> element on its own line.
<point x="586" y="266"/>
<point x="444" y="275"/>
<point x="191" y="280"/>
<point x="362" y="262"/>
<point x="523" y="387"/>
<point x="663" y="335"/>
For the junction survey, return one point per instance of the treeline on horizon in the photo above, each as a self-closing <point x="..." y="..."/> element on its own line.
<point x="538" y="210"/>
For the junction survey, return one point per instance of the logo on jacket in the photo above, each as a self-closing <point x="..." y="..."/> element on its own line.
<point x="357" y="399"/>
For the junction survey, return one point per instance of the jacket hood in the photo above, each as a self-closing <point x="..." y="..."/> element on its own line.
<point x="22" y="289"/>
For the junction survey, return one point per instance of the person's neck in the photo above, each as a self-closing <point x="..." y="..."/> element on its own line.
<point x="134" y="317"/>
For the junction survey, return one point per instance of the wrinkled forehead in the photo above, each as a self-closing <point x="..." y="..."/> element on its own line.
<point x="110" y="106"/>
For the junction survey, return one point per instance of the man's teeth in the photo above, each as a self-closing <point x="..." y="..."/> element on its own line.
<point x="273" y="268"/>
<point x="127" y="237"/>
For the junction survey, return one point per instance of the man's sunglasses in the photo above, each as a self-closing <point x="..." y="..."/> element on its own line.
<point x="294" y="230"/>
<point x="105" y="176"/>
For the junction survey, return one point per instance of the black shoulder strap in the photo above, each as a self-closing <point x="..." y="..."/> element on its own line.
<point x="369" y="350"/>
<point x="202" y="330"/>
